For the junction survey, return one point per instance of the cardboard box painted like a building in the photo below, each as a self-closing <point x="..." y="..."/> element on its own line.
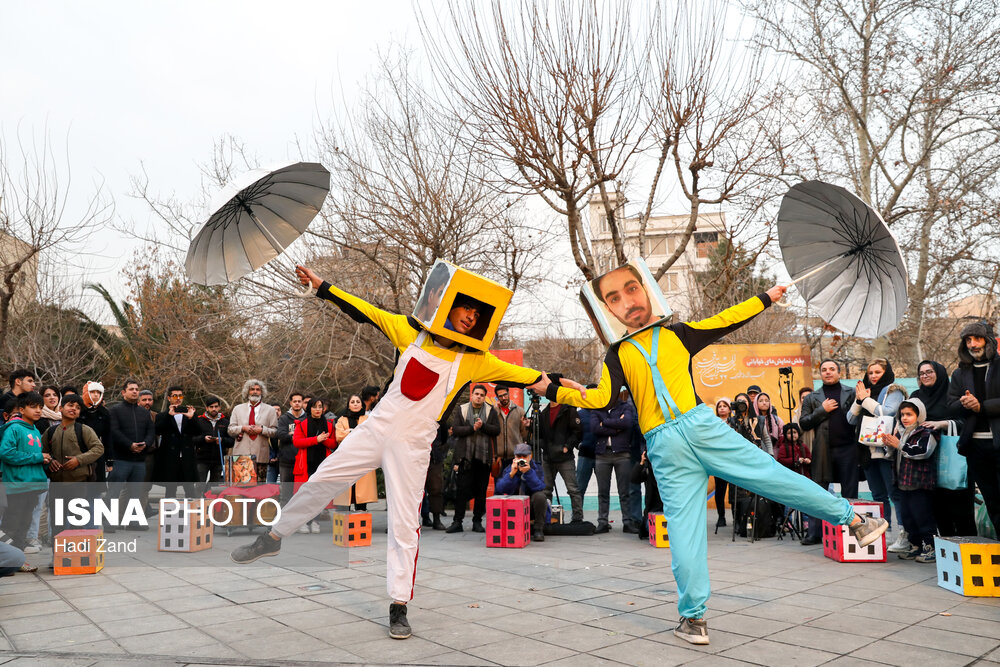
<point x="186" y="530"/>
<point x="968" y="565"/>
<point x="351" y="529"/>
<point x="508" y="521"/>
<point x="840" y="545"/>
<point x="78" y="552"/>
<point x="657" y="524"/>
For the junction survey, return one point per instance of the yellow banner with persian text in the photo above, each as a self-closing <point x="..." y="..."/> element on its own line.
<point x="779" y="369"/>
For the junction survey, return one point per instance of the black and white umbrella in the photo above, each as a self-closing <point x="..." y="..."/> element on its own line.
<point x="254" y="219"/>
<point x="843" y="258"/>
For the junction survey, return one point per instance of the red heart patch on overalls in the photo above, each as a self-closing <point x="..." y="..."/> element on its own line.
<point x="417" y="380"/>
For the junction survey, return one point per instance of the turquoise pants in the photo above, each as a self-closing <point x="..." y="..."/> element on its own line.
<point x="683" y="453"/>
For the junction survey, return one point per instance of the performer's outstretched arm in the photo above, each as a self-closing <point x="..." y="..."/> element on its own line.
<point x="698" y="335"/>
<point x="396" y="327"/>
<point x="601" y="397"/>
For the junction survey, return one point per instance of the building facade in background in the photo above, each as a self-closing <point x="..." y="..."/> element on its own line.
<point x="12" y="251"/>
<point x="664" y="233"/>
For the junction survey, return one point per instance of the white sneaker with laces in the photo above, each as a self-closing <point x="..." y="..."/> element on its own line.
<point x="32" y="547"/>
<point x="313" y="527"/>
<point x="902" y="543"/>
<point x="304" y="529"/>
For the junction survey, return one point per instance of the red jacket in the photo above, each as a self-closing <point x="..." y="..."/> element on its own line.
<point x="303" y="442"/>
<point x="789" y="454"/>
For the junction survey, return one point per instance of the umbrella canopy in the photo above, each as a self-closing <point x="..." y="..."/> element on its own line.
<point x="844" y="259"/>
<point x="254" y="219"/>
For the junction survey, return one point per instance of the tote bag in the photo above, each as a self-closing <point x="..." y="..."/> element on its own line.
<point x="871" y="432"/>
<point x="952" y="468"/>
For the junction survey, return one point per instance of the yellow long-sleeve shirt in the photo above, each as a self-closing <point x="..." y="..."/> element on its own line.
<point x="679" y="342"/>
<point x="402" y="331"/>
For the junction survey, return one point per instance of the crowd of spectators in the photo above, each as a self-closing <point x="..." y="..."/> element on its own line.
<point x="69" y="437"/>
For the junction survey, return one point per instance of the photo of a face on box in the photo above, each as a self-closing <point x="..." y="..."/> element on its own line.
<point x="624" y="301"/>
<point x="461" y="305"/>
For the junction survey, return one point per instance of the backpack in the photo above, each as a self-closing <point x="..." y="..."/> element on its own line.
<point x="764" y="511"/>
<point x="78" y="429"/>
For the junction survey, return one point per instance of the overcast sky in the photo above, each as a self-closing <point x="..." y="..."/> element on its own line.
<point x="124" y="84"/>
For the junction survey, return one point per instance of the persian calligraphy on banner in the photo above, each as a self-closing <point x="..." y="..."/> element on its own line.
<point x="726" y="370"/>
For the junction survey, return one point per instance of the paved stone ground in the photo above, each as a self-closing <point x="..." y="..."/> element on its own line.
<point x="570" y="601"/>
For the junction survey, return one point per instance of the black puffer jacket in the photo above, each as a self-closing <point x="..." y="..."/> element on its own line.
<point x="563" y="432"/>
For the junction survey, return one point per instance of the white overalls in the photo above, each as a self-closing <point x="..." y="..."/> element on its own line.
<point x="397" y="437"/>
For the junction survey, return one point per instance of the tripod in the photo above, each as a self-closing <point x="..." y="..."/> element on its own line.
<point x="538" y="451"/>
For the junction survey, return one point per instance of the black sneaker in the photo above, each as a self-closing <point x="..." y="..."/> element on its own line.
<point x="630" y="529"/>
<point x="265" y="545"/>
<point x="692" y="630"/>
<point x="399" y="627"/>
<point x="477" y="527"/>
<point x="602" y="528"/>
<point x="455" y="527"/>
<point x="721" y="523"/>
<point x="912" y="553"/>
<point x="537" y="536"/>
<point x="869" y="530"/>
<point x="926" y="554"/>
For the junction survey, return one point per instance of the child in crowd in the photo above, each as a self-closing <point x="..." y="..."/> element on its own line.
<point x="794" y="454"/>
<point x="916" y="477"/>
<point x="23" y="464"/>
<point x="792" y="451"/>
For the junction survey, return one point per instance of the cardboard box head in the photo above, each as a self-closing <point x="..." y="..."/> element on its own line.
<point x="461" y="306"/>
<point x="624" y="301"/>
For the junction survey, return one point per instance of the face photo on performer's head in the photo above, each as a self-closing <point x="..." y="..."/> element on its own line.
<point x="624" y="294"/>
<point x="430" y="295"/>
<point x="623" y="301"/>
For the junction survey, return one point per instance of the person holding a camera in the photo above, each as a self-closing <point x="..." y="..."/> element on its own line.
<point x="523" y="477"/>
<point x="176" y="460"/>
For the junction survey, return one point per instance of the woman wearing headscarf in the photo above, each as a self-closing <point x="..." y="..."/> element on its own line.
<point x="877" y="394"/>
<point x="768" y="424"/>
<point x="315" y="438"/>
<point x="954" y="510"/>
<point x="365" y="490"/>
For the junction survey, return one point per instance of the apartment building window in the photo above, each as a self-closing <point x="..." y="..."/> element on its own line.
<point x="670" y="282"/>
<point x="656" y="246"/>
<point x="705" y="243"/>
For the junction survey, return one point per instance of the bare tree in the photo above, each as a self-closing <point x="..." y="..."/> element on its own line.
<point x="573" y="99"/>
<point x="900" y="98"/>
<point x="56" y="340"/>
<point x="405" y="191"/>
<point x="554" y="93"/>
<point x="716" y="123"/>
<point x="38" y="221"/>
